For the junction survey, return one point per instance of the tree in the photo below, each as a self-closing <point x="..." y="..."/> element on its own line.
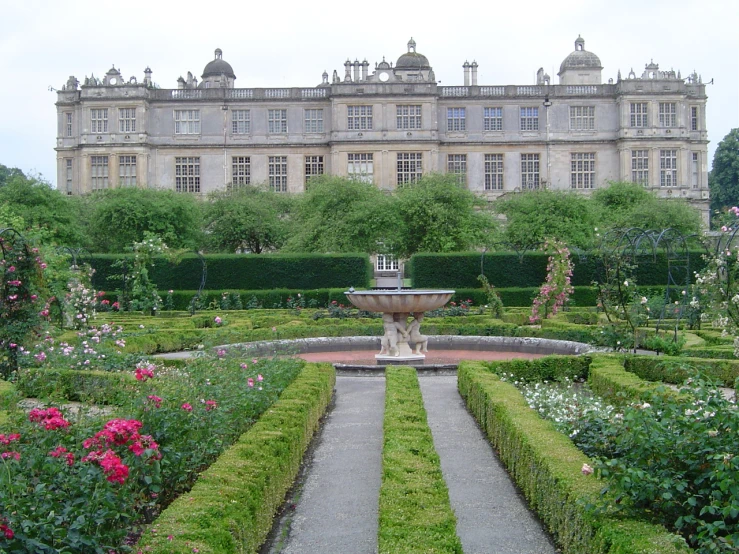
<point x="247" y="218"/>
<point x="8" y="173"/>
<point x="123" y="216"/>
<point x="533" y="216"/>
<point x="437" y="214"/>
<point x="724" y="177"/>
<point x="623" y="205"/>
<point x="336" y="214"/>
<point x="46" y="213"/>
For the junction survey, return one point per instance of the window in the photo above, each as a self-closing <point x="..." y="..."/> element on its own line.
<point x="529" y="119"/>
<point x="69" y="174"/>
<point x="667" y="114"/>
<point x="492" y="119"/>
<point x="639" y="114"/>
<point x="99" y="172"/>
<point x="668" y="168"/>
<point x="360" y="167"/>
<point x="409" y="117"/>
<point x="313" y="166"/>
<point x="313" y="121"/>
<point x="386" y="262"/>
<point x="410" y="167"/>
<point x="187" y="122"/>
<point x="457" y="165"/>
<point x="127" y="171"/>
<point x="455" y="119"/>
<point x="529" y="171"/>
<point x="99" y="120"/>
<point x="582" y="118"/>
<point x="127" y="120"/>
<point x="359" y="118"/>
<point x="68" y="124"/>
<point x="278" y="173"/>
<point x="493" y="171"/>
<point x="240" y="171"/>
<point x="694" y="123"/>
<point x="695" y="170"/>
<point x="582" y="170"/>
<point x="277" y="121"/>
<point x="240" y="122"/>
<point x="640" y="167"/>
<point x="187" y="174"/>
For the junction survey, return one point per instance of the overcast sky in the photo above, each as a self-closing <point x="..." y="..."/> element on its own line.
<point x="290" y="42"/>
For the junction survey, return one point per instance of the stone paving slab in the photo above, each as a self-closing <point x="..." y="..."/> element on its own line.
<point x="492" y="516"/>
<point x="337" y="509"/>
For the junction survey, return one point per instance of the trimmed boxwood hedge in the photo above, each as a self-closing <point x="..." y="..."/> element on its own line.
<point x="415" y="514"/>
<point x="675" y="370"/>
<point x="246" y="271"/>
<point x="95" y="387"/>
<point x="547" y="468"/>
<point x="460" y="269"/>
<point x="231" y="507"/>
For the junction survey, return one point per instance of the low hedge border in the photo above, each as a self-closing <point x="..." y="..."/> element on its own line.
<point x="548" y="368"/>
<point x="675" y="370"/>
<point x="609" y="379"/>
<point x="231" y="507"/>
<point x="95" y="387"/>
<point x="547" y="468"/>
<point x="415" y="514"/>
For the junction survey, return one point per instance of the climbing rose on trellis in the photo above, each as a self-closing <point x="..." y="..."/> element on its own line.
<point x="557" y="287"/>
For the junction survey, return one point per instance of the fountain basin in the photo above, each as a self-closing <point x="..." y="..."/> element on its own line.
<point x="399" y="301"/>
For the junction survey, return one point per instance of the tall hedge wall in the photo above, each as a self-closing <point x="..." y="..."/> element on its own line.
<point x="247" y="271"/>
<point x="460" y="269"/>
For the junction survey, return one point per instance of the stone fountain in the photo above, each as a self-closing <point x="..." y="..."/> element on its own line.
<point x="396" y="307"/>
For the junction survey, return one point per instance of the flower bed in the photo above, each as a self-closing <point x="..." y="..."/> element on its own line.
<point x="231" y="507"/>
<point x="547" y="467"/>
<point x="86" y="485"/>
<point x="415" y="515"/>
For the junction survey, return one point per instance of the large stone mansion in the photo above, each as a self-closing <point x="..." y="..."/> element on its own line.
<point x="388" y="126"/>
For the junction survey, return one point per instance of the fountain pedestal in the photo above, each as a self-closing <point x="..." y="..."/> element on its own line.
<point x="396" y="306"/>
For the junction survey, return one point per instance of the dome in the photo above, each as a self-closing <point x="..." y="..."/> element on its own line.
<point x="218" y="66"/>
<point x="412" y="59"/>
<point x="580" y="58"/>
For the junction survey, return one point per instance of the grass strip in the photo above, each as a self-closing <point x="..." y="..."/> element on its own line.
<point x="231" y="507"/>
<point x="415" y="514"/>
<point x="547" y="468"/>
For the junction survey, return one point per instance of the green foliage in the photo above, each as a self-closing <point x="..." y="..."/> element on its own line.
<point x="250" y="218"/>
<point x="492" y="298"/>
<point x="415" y="515"/>
<point x="677" y="459"/>
<point x="624" y="205"/>
<point x="676" y="370"/>
<point x="123" y="216"/>
<point x="343" y="215"/>
<point x="532" y="216"/>
<point x="232" y="506"/>
<point x="548" y="368"/>
<point x="9" y="173"/>
<point x="724" y="177"/>
<point x="547" y="467"/>
<point x="437" y="214"/>
<point x="247" y="272"/>
<point x="45" y="211"/>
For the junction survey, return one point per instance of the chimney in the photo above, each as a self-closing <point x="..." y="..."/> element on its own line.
<point x="365" y="69"/>
<point x="347" y="71"/>
<point x="355" y="65"/>
<point x="474" y="73"/>
<point x="466" y="66"/>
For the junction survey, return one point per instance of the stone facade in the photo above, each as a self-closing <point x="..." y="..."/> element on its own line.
<point x="388" y="126"/>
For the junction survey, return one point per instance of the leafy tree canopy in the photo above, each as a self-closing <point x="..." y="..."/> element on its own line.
<point x="535" y="215"/>
<point x="249" y="218"/>
<point x="46" y="212"/>
<point x="123" y="216"/>
<point x="623" y="205"/>
<point x="336" y="214"/>
<point x="437" y="214"/>
<point x="724" y="177"/>
<point x="8" y="173"/>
